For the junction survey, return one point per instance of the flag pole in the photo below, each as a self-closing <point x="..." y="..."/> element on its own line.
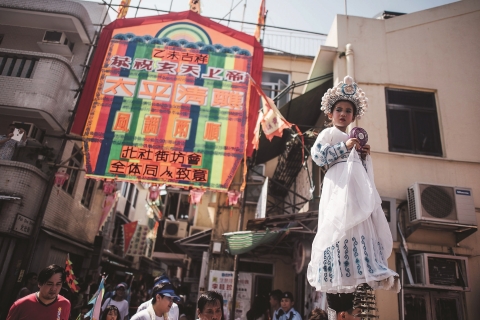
<point x="243" y="16"/>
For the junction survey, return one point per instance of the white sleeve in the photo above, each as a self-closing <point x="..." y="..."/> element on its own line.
<point x="174" y="312"/>
<point x="105" y="304"/>
<point x="323" y="152"/>
<point x="124" y="311"/>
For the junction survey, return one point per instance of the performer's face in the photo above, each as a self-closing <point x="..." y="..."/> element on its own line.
<point x="342" y="115"/>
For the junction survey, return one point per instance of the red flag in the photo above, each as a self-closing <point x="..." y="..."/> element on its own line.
<point x="261" y="20"/>
<point x="69" y="276"/>
<point x="128" y="232"/>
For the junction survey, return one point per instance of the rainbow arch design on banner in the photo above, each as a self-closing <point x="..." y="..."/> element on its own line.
<point x="184" y="30"/>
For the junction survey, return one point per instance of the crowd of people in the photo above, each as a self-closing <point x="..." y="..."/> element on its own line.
<point x="40" y="299"/>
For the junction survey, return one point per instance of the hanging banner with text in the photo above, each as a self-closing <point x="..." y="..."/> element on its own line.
<point x="170" y="105"/>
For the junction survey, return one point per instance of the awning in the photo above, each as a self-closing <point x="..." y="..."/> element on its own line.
<point x="273" y="235"/>
<point x="304" y="111"/>
<point x="196" y="244"/>
<point x="244" y="241"/>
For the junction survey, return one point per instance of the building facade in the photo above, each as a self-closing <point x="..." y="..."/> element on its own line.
<point x="421" y="126"/>
<point x="44" y="47"/>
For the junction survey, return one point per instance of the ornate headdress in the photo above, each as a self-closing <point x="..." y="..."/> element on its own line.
<point x="346" y="90"/>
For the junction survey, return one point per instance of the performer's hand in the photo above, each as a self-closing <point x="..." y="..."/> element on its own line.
<point x="351" y="142"/>
<point x="366" y="149"/>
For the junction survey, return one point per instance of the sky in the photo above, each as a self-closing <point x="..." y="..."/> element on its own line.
<point x="308" y="15"/>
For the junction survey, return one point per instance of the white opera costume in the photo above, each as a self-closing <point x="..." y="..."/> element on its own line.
<point x="353" y="240"/>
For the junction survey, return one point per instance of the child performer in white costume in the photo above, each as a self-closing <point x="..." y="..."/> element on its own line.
<point x="353" y="240"/>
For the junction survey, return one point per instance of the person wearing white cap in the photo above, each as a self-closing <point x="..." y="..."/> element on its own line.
<point x="118" y="300"/>
<point x="174" y="312"/>
<point x="163" y="296"/>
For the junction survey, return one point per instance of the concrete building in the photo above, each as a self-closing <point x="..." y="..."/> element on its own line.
<point x="419" y="72"/>
<point x="44" y="46"/>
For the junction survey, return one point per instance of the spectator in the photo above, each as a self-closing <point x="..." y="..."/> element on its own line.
<point x="30" y="282"/>
<point x="174" y="311"/>
<point x="45" y="304"/>
<point x="210" y="306"/>
<point x="162" y="301"/>
<point x="260" y="309"/>
<point x="318" y="314"/>
<point x="118" y="300"/>
<point x="275" y="298"/>
<point x="287" y="312"/>
<point x="7" y="144"/>
<point x="111" y="313"/>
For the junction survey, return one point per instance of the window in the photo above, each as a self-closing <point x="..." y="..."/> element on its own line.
<point x="74" y="162"/>
<point x="273" y="83"/>
<point x="178" y="206"/>
<point x="16" y="66"/>
<point x="88" y="193"/>
<point x="433" y="305"/>
<point x="130" y="192"/>
<point x="412" y="122"/>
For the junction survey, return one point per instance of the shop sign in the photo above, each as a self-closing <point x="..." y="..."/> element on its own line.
<point x="23" y="225"/>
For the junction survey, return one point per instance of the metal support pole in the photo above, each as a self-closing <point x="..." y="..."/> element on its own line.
<point x="237" y="258"/>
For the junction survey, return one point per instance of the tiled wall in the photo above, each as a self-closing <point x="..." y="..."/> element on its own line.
<point x="24" y="181"/>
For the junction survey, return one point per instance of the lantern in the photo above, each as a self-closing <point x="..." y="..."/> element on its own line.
<point x="109" y="187"/>
<point x="233" y="196"/>
<point x="196" y="196"/>
<point x="60" y="178"/>
<point x="154" y="192"/>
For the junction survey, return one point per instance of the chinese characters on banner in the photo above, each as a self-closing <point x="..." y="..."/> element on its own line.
<point x="222" y="282"/>
<point x="138" y="243"/>
<point x="170" y="110"/>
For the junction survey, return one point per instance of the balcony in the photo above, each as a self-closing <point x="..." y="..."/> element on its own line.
<point x="22" y="186"/>
<point x="37" y="88"/>
<point x="66" y="16"/>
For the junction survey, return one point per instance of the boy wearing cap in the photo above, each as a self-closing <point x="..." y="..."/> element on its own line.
<point x="118" y="300"/>
<point x="162" y="301"/>
<point x="286" y="311"/>
<point x="174" y="312"/>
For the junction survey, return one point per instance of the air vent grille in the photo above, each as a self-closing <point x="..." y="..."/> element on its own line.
<point x="412" y="210"/>
<point x="437" y="202"/>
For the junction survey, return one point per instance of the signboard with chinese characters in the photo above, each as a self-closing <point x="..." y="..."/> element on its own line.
<point x="23" y="225"/>
<point x="171" y="103"/>
<point x="222" y="282"/>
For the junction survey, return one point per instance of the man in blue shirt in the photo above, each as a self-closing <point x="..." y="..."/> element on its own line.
<point x="286" y="311"/>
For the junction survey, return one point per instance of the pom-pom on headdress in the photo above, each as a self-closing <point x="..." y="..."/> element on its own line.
<point x="346" y="90"/>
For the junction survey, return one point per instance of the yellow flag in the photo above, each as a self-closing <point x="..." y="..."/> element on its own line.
<point x="123" y="8"/>
<point x="261" y="20"/>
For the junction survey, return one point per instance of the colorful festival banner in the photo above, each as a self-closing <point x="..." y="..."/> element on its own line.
<point x="171" y="101"/>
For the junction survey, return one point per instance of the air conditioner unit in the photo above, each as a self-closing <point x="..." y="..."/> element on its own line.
<point x="55" y="37"/>
<point x="441" y="205"/>
<point x="31" y="130"/>
<point x="257" y="173"/>
<point x="175" y="229"/>
<point x="56" y="42"/>
<point x="194" y="229"/>
<point x="439" y="271"/>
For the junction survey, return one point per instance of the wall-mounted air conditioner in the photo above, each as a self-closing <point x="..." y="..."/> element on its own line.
<point x="32" y="131"/>
<point x="194" y="229"/>
<point x="439" y="204"/>
<point x="439" y="271"/>
<point x="55" y="37"/>
<point x="175" y="229"/>
<point x="56" y="42"/>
